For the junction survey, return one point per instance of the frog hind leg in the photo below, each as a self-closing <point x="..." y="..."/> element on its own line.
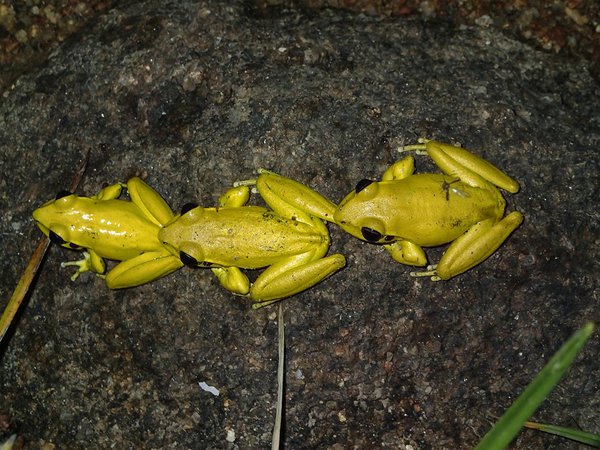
<point x="293" y="275"/>
<point x="91" y="262"/>
<point x="473" y="247"/>
<point x="461" y="163"/>
<point x="142" y="269"/>
<point x="468" y="167"/>
<point x="154" y="207"/>
<point x="287" y="197"/>
<point x="232" y="279"/>
<point x="406" y="252"/>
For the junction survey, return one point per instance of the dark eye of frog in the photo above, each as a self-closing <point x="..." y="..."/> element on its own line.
<point x="55" y="238"/>
<point x="362" y="184"/>
<point x="62" y="194"/>
<point x="188" y="207"/>
<point x="371" y="235"/>
<point x="188" y="260"/>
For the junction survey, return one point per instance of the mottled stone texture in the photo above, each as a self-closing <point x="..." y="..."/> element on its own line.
<point x="196" y="95"/>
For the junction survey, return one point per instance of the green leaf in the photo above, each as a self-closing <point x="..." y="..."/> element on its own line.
<point x="569" y="433"/>
<point x="525" y="405"/>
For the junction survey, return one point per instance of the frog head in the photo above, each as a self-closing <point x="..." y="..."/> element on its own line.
<point x="53" y="218"/>
<point x="177" y="236"/>
<point x="363" y="213"/>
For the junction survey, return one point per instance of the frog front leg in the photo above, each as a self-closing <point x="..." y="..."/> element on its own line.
<point x="400" y="169"/>
<point x="235" y="197"/>
<point x="293" y="275"/>
<point x="406" y="252"/>
<point x="91" y="262"/>
<point x="473" y="247"/>
<point x="109" y="192"/>
<point x="232" y="279"/>
<point x="466" y="166"/>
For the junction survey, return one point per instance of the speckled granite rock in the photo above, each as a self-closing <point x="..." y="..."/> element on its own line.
<point x="196" y="96"/>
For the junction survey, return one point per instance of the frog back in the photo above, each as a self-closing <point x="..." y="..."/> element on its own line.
<point x="247" y="237"/>
<point x="114" y="229"/>
<point x="426" y="209"/>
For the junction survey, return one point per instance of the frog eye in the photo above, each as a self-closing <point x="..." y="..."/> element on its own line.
<point x="362" y="184"/>
<point x="55" y="238"/>
<point x="62" y="194"/>
<point x="188" y="207"/>
<point x="371" y="235"/>
<point x="188" y="260"/>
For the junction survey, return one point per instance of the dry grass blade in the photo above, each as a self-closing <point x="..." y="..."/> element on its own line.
<point x="275" y="442"/>
<point x="34" y="263"/>
<point x="23" y="286"/>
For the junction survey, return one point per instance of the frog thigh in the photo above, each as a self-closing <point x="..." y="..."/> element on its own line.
<point x="286" y="197"/>
<point x="468" y="167"/>
<point x="406" y="252"/>
<point x="232" y="279"/>
<point x="400" y="169"/>
<point x="154" y="207"/>
<point x="291" y="276"/>
<point x="142" y="269"/>
<point x="476" y="245"/>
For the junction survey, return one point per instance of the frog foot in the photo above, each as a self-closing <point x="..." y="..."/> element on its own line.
<point x="419" y="149"/>
<point x="252" y="181"/>
<point x="429" y="272"/>
<point x="84" y="265"/>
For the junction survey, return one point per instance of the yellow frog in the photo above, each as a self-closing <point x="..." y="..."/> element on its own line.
<point x="407" y="211"/>
<point x="105" y="227"/>
<point x="290" y="242"/>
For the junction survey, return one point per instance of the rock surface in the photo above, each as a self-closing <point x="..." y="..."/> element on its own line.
<point x="194" y="96"/>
